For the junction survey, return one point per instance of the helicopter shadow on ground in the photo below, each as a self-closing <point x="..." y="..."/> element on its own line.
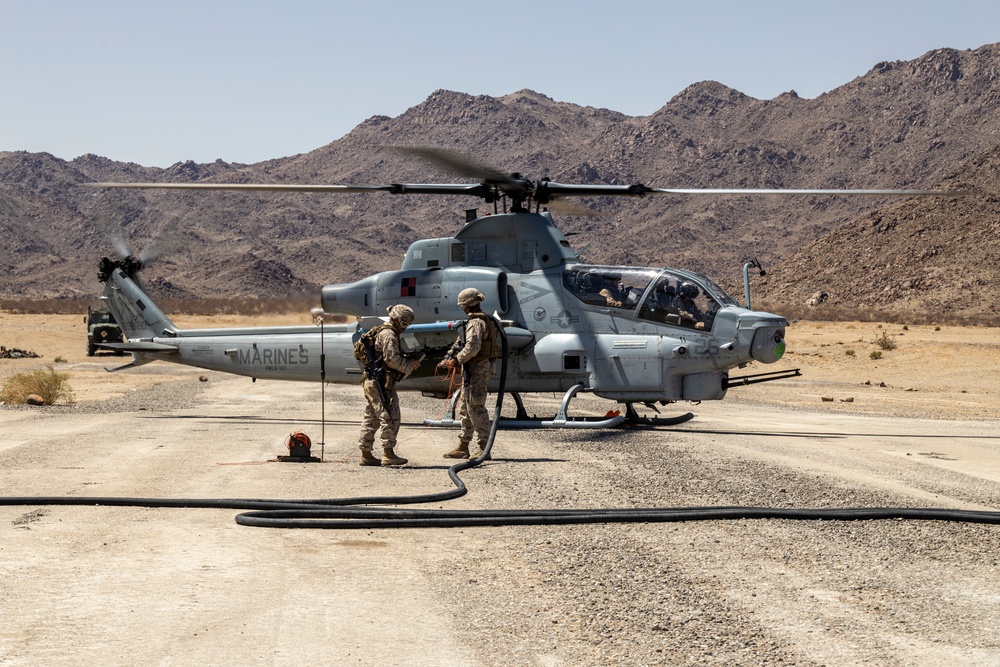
<point x="591" y="435"/>
<point x="256" y="419"/>
<point x="597" y="435"/>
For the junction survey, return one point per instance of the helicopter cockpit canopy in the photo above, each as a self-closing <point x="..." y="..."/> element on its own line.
<point x="671" y="297"/>
<point x="617" y="287"/>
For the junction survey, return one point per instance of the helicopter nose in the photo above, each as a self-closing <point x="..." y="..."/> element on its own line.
<point x="768" y="344"/>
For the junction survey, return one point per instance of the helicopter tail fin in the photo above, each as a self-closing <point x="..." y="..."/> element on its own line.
<point x="134" y="311"/>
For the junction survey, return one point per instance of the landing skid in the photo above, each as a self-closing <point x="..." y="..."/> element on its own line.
<point x="562" y="418"/>
<point x="449" y="415"/>
<point x="633" y="418"/>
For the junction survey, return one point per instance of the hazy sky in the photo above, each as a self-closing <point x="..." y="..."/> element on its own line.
<point x="159" y="82"/>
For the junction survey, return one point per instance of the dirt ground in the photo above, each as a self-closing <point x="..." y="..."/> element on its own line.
<point x="122" y="586"/>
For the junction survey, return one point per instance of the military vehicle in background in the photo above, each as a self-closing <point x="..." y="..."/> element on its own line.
<point x="102" y="328"/>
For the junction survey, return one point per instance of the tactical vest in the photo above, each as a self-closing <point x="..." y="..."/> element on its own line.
<point x="391" y="375"/>
<point x="491" y="348"/>
<point x="360" y="352"/>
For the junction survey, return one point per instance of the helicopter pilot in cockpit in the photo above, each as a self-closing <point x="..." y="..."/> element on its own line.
<point x="609" y="295"/>
<point x="612" y="291"/>
<point x="688" y="310"/>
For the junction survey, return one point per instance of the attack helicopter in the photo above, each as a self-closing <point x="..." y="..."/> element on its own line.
<point x="634" y="335"/>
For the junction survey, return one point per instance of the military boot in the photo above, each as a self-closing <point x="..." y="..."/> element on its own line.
<point x="389" y="458"/>
<point x="482" y="448"/>
<point x="369" y="459"/>
<point x="460" y="452"/>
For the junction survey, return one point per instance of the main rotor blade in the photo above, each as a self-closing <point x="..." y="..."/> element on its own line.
<point x="457" y="163"/>
<point x="543" y="190"/>
<point x="639" y="190"/>
<point x="474" y="189"/>
<point x="795" y="191"/>
<point x="513" y="185"/>
<point x="265" y="187"/>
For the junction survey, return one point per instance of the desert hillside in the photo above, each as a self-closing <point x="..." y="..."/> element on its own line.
<point x="928" y="122"/>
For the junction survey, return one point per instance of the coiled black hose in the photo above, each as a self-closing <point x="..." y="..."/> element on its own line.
<point x="354" y="513"/>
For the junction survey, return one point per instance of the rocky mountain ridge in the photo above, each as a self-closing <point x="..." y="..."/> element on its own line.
<point x="921" y="123"/>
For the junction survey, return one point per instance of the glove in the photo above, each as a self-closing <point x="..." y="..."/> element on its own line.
<point x="412" y="366"/>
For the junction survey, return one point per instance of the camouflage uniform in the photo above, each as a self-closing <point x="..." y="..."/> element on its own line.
<point x="479" y="366"/>
<point x="396" y="366"/>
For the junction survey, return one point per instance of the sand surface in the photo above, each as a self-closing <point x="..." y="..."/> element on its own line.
<point x="121" y="586"/>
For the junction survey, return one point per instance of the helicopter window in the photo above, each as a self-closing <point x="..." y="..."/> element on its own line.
<point x="617" y="288"/>
<point x="714" y="290"/>
<point x="457" y="253"/>
<point x="680" y="301"/>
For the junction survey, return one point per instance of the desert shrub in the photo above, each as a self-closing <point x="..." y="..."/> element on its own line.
<point x="875" y="355"/>
<point x="849" y="353"/>
<point x="45" y="383"/>
<point x="885" y="342"/>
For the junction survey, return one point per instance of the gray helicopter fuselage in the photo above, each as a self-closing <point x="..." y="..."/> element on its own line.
<point x="530" y="275"/>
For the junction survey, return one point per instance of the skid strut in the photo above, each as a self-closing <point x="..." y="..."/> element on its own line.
<point x="562" y="418"/>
